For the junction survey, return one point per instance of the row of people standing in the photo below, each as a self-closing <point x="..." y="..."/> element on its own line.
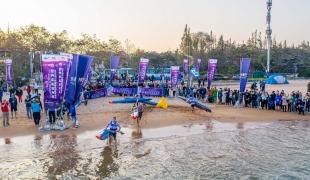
<point x="32" y="107"/>
<point x="227" y="96"/>
<point x="193" y="91"/>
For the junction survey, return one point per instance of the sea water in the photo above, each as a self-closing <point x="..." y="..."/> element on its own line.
<point x="212" y="150"/>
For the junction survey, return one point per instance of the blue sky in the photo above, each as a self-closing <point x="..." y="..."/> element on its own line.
<point x="158" y="24"/>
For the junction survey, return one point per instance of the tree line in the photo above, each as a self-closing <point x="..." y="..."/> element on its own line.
<point x="284" y="58"/>
<point x="198" y="45"/>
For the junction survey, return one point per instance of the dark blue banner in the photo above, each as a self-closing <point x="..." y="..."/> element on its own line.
<point x="127" y="91"/>
<point x="78" y="72"/>
<point x="98" y="93"/>
<point x="155" y="92"/>
<point x="245" y="66"/>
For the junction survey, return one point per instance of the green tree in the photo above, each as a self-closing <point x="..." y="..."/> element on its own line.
<point x="129" y="48"/>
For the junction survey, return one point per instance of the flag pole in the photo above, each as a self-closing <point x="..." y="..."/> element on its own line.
<point x="43" y="89"/>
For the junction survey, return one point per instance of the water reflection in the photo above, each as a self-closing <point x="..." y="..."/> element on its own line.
<point x="63" y="155"/>
<point x="269" y="150"/>
<point x="107" y="166"/>
<point x="37" y="137"/>
<point x="136" y="134"/>
<point x="37" y="141"/>
<point x="209" y="126"/>
<point x="7" y="141"/>
<point x="306" y="124"/>
<point x="240" y="125"/>
<point x="53" y="136"/>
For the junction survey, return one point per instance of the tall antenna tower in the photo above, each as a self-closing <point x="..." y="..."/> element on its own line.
<point x="268" y="32"/>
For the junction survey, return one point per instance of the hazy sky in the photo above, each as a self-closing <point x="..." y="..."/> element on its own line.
<point x="158" y="24"/>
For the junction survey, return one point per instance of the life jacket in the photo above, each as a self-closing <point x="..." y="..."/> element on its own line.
<point x="113" y="125"/>
<point x="140" y="109"/>
<point x="191" y="100"/>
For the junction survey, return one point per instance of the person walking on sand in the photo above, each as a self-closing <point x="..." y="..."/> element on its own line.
<point x="19" y="94"/>
<point x="28" y="89"/>
<point x="114" y="127"/>
<point x="5" y="112"/>
<point x="13" y="104"/>
<point x="52" y="115"/>
<point x="1" y="95"/>
<point x="191" y="101"/>
<point x="140" y="111"/>
<point x="72" y="113"/>
<point x="28" y="107"/>
<point x="36" y="88"/>
<point x="33" y="94"/>
<point x="12" y="91"/>
<point x="36" y="111"/>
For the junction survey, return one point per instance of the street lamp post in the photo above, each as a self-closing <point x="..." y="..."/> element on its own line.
<point x="188" y="63"/>
<point x="31" y="63"/>
<point x="40" y="69"/>
<point x="268" y="32"/>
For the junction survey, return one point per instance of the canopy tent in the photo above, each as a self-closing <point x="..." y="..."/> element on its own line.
<point x="276" y="79"/>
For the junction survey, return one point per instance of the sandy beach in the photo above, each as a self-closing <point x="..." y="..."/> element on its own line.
<point x="99" y="112"/>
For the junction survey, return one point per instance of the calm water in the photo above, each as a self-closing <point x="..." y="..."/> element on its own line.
<point x="214" y="150"/>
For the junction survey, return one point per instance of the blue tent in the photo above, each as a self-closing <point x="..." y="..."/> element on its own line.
<point x="276" y="79"/>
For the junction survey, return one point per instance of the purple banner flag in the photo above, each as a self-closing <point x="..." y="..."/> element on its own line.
<point x="8" y="66"/>
<point x="69" y="58"/>
<point x="113" y="67"/>
<point x="55" y="69"/>
<point x="245" y="66"/>
<point x="175" y="71"/>
<point x="211" y="70"/>
<point x="98" y="93"/>
<point x="143" y="70"/>
<point x="185" y="63"/>
<point x="155" y="92"/>
<point x="128" y="91"/>
<point x="198" y="65"/>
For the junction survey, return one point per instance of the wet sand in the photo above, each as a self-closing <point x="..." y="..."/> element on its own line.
<point x="99" y="112"/>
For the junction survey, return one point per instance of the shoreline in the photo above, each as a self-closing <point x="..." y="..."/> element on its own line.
<point x="150" y="120"/>
<point x="96" y="115"/>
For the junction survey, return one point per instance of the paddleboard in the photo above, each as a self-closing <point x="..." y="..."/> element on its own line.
<point x="130" y="100"/>
<point x="103" y="135"/>
<point x="197" y="104"/>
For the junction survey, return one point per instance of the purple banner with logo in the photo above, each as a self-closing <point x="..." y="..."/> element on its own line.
<point x="175" y="71"/>
<point x="98" y="93"/>
<point x="69" y="59"/>
<point x="211" y="70"/>
<point x="143" y="70"/>
<point x="185" y="63"/>
<point x="155" y="92"/>
<point x="55" y="69"/>
<point x="245" y="66"/>
<point x="128" y="91"/>
<point x="198" y="65"/>
<point x="8" y="66"/>
<point x="78" y="72"/>
<point x="113" y="67"/>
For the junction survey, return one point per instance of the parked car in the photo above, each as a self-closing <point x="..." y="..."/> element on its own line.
<point x="236" y="76"/>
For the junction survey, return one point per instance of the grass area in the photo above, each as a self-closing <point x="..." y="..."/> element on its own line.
<point x="256" y="79"/>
